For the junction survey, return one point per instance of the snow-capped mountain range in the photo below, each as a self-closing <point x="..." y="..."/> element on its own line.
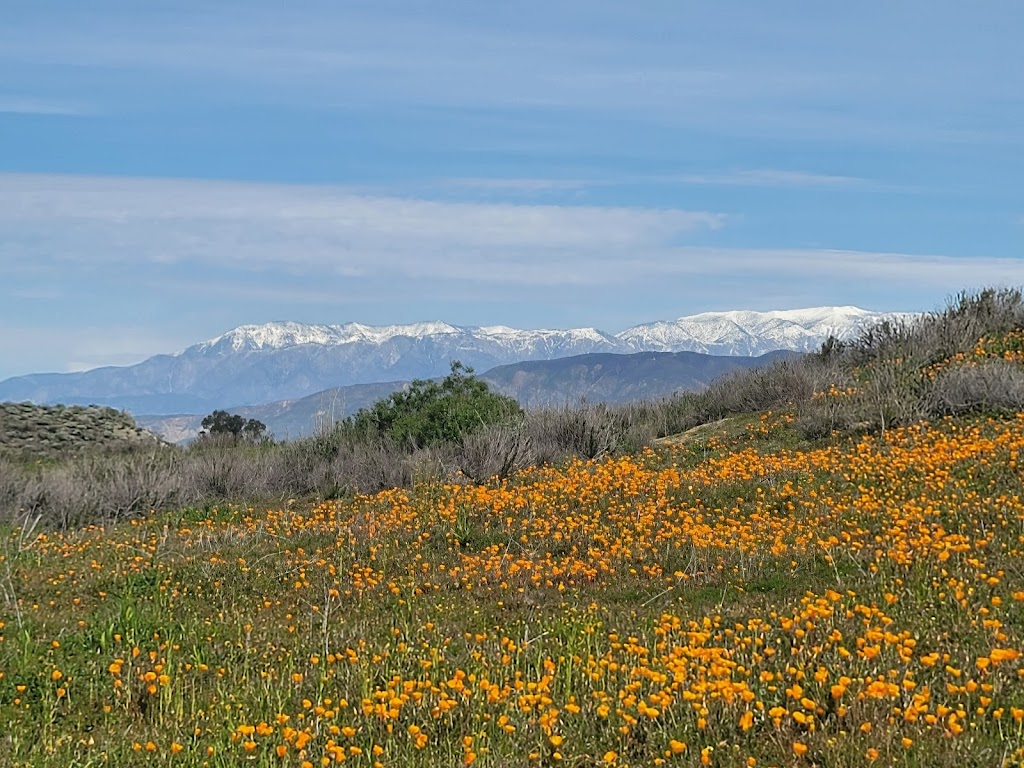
<point x="255" y="364"/>
<point x="751" y="333"/>
<point x="740" y="332"/>
<point x="281" y="335"/>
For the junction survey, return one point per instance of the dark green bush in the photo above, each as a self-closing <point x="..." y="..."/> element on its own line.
<point x="233" y="426"/>
<point x="431" y="413"/>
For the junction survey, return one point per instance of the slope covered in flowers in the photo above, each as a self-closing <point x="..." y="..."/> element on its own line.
<point x="737" y="603"/>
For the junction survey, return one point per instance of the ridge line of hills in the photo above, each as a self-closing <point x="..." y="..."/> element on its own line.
<point x="598" y="377"/>
<point x="289" y="361"/>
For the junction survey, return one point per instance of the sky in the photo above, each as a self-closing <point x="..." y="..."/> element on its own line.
<point x="169" y="171"/>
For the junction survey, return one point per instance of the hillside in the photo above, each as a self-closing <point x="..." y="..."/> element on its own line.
<point x="36" y="431"/>
<point x="609" y="378"/>
<point x="285" y="420"/>
<point x="748" y="599"/>
<point x="606" y="378"/>
<point x="820" y="566"/>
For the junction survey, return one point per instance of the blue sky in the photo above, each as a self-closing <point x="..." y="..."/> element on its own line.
<point x="171" y="170"/>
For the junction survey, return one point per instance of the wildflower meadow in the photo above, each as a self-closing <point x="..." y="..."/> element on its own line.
<point x="751" y="599"/>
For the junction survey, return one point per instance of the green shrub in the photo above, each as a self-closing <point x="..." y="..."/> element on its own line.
<point x="233" y="426"/>
<point x="431" y="413"/>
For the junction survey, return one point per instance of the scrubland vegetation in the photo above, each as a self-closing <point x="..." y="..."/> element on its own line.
<point x="963" y="359"/>
<point x="830" y="575"/>
<point x="36" y="432"/>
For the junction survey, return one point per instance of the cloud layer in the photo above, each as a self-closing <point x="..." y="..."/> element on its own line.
<point x="303" y="230"/>
<point x="64" y="223"/>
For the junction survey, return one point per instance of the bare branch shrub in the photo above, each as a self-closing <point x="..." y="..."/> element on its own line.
<point x="994" y="385"/>
<point x="758" y="389"/>
<point x="11" y="484"/>
<point x="224" y="472"/>
<point x="375" y="466"/>
<point x="969" y="317"/>
<point x="96" y="489"/>
<point x="582" y="430"/>
<point x="826" y="413"/>
<point x="497" y="451"/>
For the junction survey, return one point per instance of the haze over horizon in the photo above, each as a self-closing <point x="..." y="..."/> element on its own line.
<point x="167" y="174"/>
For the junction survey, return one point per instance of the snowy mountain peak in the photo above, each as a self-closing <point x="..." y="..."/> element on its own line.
<point x="736" y="332"/>
<point x="380" y="333"/>
<point x="746" y="332"/>
<point x="279" y="335"/>
<point x="577" y="334"/>
<point x="269" y="336"/>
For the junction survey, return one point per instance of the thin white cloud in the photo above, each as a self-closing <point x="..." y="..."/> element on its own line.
<point x="40" y="293"/>
<point x="767" y="177"/>
<point x="89" y="220"/>
<point x="321" y="239"/>
<point x="943" y="273"/>
<point x="20" y="106"/>
<point x="757" y="177"/>
<point x="519" y="185"/>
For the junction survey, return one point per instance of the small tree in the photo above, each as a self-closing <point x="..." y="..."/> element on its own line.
<point x="222" y="423"/>
<point x="831" y="348"/>
<point x="431" y="412"/>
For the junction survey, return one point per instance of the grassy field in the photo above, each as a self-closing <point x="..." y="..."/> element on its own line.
<point x="742" y="598"/>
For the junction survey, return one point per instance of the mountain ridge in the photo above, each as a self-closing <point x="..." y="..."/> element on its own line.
<point x="287" y="360"/>
<point x="596" y="377"/>
<point x="283" y="333"/>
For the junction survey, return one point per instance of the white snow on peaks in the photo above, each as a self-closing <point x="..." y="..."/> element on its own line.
<point x="287" y="334"/>
<point x="746" y="332"/>
<point x="271" y="336"/>
<point x="378" y="334"/>
<point x="741" y="332"/>
<point x="503" y="332"/>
